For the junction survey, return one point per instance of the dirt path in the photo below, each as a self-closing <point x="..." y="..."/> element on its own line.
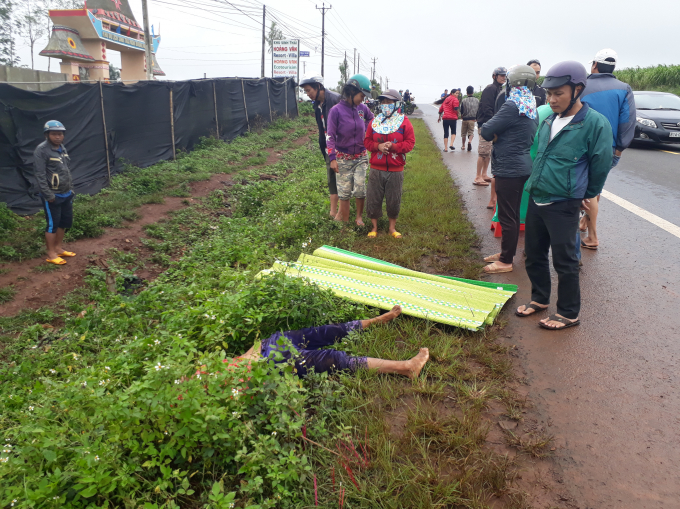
<point x="36" y="289"/>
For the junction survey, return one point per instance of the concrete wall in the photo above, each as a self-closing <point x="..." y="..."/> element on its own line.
<point x="28" y="79"/>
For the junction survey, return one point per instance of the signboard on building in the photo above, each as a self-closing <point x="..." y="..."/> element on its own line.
<point x="304" y="54"/>
<point x="286" y="59"/>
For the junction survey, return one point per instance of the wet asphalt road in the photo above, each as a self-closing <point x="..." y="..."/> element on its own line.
<point x="609" y="387"/>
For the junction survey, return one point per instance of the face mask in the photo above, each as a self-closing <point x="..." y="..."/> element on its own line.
<point x="387" y="109"/>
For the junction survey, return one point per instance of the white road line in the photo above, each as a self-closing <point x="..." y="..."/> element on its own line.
<point x="640" y="212"/>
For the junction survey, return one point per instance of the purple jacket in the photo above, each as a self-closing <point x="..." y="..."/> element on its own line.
<point x="347" y="129"/>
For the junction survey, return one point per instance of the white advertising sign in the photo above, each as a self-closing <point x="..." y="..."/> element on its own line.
<point x="286" y="58"/>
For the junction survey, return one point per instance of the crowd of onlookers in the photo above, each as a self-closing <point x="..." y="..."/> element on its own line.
<point x="551" y="146"/>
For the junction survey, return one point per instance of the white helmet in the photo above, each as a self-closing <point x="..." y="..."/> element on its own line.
<point x="310" y="80"/>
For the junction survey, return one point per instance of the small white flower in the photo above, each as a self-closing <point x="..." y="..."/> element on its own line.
<point x="30" y="391"/>
<point x="213" y="317"/>
<point x="273" y="433"/>
<point x="96" y="458"/>
<point x="87" y="452"/>
<point x="177" y="382"/>
<point x="75" y="356"/>
<point x="55" y="498"/>
<point x="34" y="347"/>
<point x="221" y="321"/>
<point x="198" y="376"/>
<point x="84" y="384"/>
<point x="52" y="371"/>
<point x="166" y="433"/>
<point x="156" y="342"/>
<point x="179" y="335"/>
<point x="135" y="337"/>
<point x="158" y="367"/>
<point x="161" y="293"/>
<point x="101" y="382"/>
<point x="4" y="460"/>
<point x="13" y="502"/>
<point x="30" y="408"/>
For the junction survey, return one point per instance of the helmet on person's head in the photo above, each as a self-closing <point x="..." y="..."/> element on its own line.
<point x="570" y="73"/>
<point x="361" y="82"/>
<point x="311" y="80"/>
<point x="53" y="125"/>
<point x="499" y="71"/>
<point x="391" y="94"/>
<point x="521" y="76"/>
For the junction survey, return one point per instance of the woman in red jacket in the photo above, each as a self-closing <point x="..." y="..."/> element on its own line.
<point x="449" y="110"/>
<point x="389" y="138"/>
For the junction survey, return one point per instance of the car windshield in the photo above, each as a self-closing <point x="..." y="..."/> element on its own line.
<point x="657" y="102"/>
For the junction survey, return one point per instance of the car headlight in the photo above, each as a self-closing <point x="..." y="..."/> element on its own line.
<point x="647" y="122"/>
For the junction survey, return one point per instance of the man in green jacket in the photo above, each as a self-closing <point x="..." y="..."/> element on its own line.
<point x="572" y="163"/>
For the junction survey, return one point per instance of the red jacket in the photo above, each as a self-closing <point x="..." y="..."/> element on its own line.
<point x="449" y="108"/>
<point x="403" y="139"/>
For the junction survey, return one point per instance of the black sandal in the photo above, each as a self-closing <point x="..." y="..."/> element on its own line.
<point x="535" y="307"/>
<point x="554" y="318"/>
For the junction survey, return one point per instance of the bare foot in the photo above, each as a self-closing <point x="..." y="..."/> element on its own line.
<point x="491" y="205"/>
<point x="521" y="310"/>
<point x="416" y="365"/>
<point x="390" y="315"/>
<point x="590" y="242"/>
<point x="493" y="258"/>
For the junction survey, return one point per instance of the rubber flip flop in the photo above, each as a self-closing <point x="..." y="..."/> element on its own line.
<point x="491" y="208"/>
<point x="56" y="261"/>
<point x="396" y="235"/>
<point x="554" y="318"/>
<point x="484" y="184"/>
<point x="495" y="269"/>
<point x="536" y="308"/>
<point x="586" y="246"/>
<point x="372" y="235"/>
<point x="493" y="258"/>
<point x="67" y="254"/>
<point x="487" y="179"/>
<point x="452" y="148"/>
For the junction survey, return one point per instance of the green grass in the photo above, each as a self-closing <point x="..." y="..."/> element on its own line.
<point x="92" y="421"/>
<point x="7" y="294"/>
<point x="662" y="78"/>
<point x="118" y="203"/>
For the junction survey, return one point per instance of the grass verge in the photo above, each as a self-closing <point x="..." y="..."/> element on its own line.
<point x="127" y="401"/>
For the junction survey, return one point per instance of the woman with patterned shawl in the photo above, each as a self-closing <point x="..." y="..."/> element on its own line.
<point x="389" y="138"/>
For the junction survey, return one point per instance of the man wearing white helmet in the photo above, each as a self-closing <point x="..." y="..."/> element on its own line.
<point x="615" y="100"/>
<point x="323" y="101"/>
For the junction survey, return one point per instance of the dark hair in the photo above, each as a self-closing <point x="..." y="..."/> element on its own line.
<point x="349" y="91"/>
<point x="470" y="90"/>
<point x="534" y="61"/>
<point x="605" y="68"/>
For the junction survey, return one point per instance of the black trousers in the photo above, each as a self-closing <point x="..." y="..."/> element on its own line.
<point x="509" y="200"/>
<point x="554" y="227"/>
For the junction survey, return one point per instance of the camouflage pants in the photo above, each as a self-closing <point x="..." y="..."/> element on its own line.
<point x="351" y="178"/>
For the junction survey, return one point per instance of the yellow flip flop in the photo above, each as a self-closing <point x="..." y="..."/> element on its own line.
<point x="396" y="235"/>
<point x="68" y="254"/>
<point x="372" y="235"/>
<point x="56" y="261"/>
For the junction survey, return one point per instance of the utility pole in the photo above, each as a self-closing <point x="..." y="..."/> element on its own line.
<point x="147" y="40"/>
<point x="387" y="83"/>
<point x="304" y="67"/>
<point x="374" y="68"/>
<point x="264" y="14"/>
<point x="359" y="63"/>
<point x="354" y="62"/>
<point x="323" y="10"/>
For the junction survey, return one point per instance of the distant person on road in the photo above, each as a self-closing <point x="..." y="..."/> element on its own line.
<point x="615" y="100"/>
<point x="388" y="138"/>
<point x="448" y="111"/>
<point x="572" y="162"/>
<point x="374" y="93"/>
<point x="468" y="111"/>
<point x="55" y="184"/>
<point x="512" y="130"/>
<point x="486" y="111"/>
<point x="347" y="124"/>
<point x="323" y="101"/>
<point x="445" y="94"/>
<point x="539" y="93"/>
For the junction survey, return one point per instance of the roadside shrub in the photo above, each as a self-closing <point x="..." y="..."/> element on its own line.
<point x="8" y="219"/>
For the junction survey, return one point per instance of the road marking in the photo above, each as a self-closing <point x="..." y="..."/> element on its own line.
<point x="669" y="152"/>
<point x="640" y="212"/>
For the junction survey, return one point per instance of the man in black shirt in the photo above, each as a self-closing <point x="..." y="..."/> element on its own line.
<point x="323" y="100"/>
<point x="539" y="93"/>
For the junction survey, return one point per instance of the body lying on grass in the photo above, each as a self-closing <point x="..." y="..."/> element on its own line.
<point x="307" y="346"/>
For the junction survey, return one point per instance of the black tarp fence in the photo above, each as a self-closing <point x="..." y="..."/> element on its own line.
<point x="132" y="124"/>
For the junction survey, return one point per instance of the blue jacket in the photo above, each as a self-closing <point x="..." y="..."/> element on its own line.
<point x="575" y="163"/>
<point x="614" y="99"/>
<point x="510" y="157"/>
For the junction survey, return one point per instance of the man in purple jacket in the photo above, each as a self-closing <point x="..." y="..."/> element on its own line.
<point x="346" y="129"/>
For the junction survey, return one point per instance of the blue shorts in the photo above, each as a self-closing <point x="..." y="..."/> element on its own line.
<point x="59" y="214"/>
<point x="306" y="345"/>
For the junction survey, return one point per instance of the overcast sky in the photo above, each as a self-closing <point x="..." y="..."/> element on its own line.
<point x="423" y="46"/>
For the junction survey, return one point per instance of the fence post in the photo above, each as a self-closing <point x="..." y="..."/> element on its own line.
<point x="217" y="122"/>
<point x="172" y="125"/>
<point x="106" y="136"/>
<point x="243" y="89"/>
<point x="271" y="118"/>
<point x="297" y="102"/>
<point x="285" y="93"/>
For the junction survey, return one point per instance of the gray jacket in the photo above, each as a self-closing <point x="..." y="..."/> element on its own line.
<point x="511" y="152"/>
<point x="51" y="170"/>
